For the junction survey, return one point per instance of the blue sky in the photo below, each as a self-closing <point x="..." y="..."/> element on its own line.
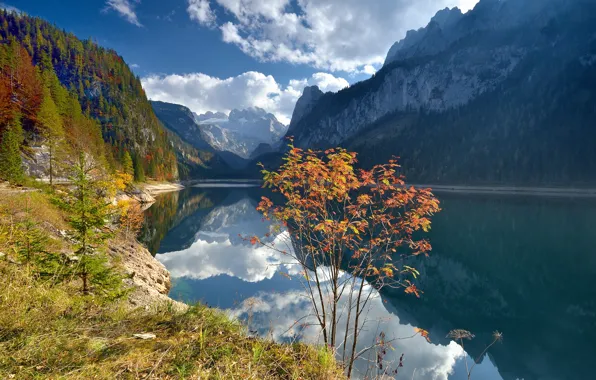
<point x="222" y="54"/>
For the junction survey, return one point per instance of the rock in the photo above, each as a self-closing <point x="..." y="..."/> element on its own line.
<point x="149" y="277"/>
<point x="148" y="272"/>
<point x="145" y="336"/>
<point x="138" y="195"/>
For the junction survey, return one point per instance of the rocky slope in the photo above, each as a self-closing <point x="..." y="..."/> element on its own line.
<point x="478" y="97"/>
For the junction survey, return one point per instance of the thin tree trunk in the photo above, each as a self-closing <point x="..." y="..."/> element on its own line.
<point x="356" y="319"/>
<point x="51" y="166"/>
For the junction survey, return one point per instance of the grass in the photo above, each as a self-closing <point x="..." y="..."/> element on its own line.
<point x="51" y="330"/>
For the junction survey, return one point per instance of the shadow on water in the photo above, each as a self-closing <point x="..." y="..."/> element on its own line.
<point x="522" y="265"/>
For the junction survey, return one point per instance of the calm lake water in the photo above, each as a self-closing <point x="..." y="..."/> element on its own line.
<point x="525" y="266"/>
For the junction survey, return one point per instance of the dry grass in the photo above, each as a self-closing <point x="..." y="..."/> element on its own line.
<point x="52" y="331"/>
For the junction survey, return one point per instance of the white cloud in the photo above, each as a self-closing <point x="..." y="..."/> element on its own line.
<point x="126" y="9"/>
<point x="277" y="313"/>
<point x="201" y="11"/>
<point x="134" y="66"/>
<point x="201" y="92"/>
<point x="334" y="35"/>
<point x="466" y="5"/>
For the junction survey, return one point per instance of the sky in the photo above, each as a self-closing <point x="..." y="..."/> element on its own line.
<point x="217" y="55"/>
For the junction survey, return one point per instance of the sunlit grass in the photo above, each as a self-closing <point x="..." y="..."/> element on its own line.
<point x="51" y="330"/>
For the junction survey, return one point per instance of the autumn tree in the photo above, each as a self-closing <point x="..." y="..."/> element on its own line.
<point x="131" y="219"/>
<point x="350" y="230"/>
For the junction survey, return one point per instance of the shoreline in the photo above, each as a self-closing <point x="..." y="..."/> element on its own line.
<point x="511" y="190"/>
<point x="588" y="192"/>
<point x="161" y="187"/>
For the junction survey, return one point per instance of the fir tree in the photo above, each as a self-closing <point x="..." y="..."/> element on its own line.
<point x="52" y="130"/>
<point x="127" y="164"/>
<point x="139" y="170"/>
<point x="90" y="212"/>
<point x="10" y="152"/>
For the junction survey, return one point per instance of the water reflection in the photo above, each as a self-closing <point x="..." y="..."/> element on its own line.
<point x="522" y="266"/>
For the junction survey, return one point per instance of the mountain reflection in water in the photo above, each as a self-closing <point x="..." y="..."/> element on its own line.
<point x="523" y="266"/>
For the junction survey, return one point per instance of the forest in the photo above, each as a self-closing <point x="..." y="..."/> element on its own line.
<point x="60" y="95"/>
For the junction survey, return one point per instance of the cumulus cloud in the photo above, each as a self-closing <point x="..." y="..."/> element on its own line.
<point x="135" y="66"/>
<point x="200" y="11"/>
<point x="201" y="92"/>
<point x="211" y="257"/>
<point x="126" y="9"/>
<point x="277" y="313"/>
<point x="334" y="35"/>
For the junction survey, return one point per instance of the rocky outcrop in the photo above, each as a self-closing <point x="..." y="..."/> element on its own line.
<point x="149" y="278"/>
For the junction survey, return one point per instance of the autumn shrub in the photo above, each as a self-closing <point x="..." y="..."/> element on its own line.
<point x="347" y="228"/>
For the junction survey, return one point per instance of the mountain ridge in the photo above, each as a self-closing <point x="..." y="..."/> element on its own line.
<point x="425" y="107"/>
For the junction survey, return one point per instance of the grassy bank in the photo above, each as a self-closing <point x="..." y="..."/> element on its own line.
<point x="50" y="329"/>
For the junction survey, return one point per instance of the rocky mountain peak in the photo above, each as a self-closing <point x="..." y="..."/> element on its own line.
<point x="310" y="96"/>
<point x="242" y="131"/>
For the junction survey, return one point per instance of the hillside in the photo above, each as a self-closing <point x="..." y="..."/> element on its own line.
<point x="503" y="94"/>
<point x="63" y="94"/>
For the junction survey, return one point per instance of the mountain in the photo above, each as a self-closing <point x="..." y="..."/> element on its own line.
<point x="188" y="135"/>
<point x="501" y="94"/>
<point x="61" y="92"/>
<point x="181" y="120"/>
<point x="242" y="131"/>
<point x="310" y="97"/>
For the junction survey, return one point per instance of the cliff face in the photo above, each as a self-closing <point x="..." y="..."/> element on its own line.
<point x="501" y="94"/>
<point x="310" y="97"/>
<point x="435" y="85"/>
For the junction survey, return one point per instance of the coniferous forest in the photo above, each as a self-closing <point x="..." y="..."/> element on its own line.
<point x="69" y="96"/>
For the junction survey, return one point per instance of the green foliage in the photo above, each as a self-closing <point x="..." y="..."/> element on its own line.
<point x="89" y="212"/>
<point x="31" y="241"/>
<point x="11" y="139"/>
<point x="127" y="164"/>
<point x="51" y="122"/>
<point x="139" y="171"/>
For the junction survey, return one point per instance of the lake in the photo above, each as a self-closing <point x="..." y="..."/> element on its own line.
<point x="524" y="266"/>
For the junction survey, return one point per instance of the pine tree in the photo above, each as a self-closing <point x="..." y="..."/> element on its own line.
<point x="139" y="170"/>
<point x="51" y="128"/>
<point x="90" y="213"/>
<point x="127" y="164"/>
<point x="11" y="168"/>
